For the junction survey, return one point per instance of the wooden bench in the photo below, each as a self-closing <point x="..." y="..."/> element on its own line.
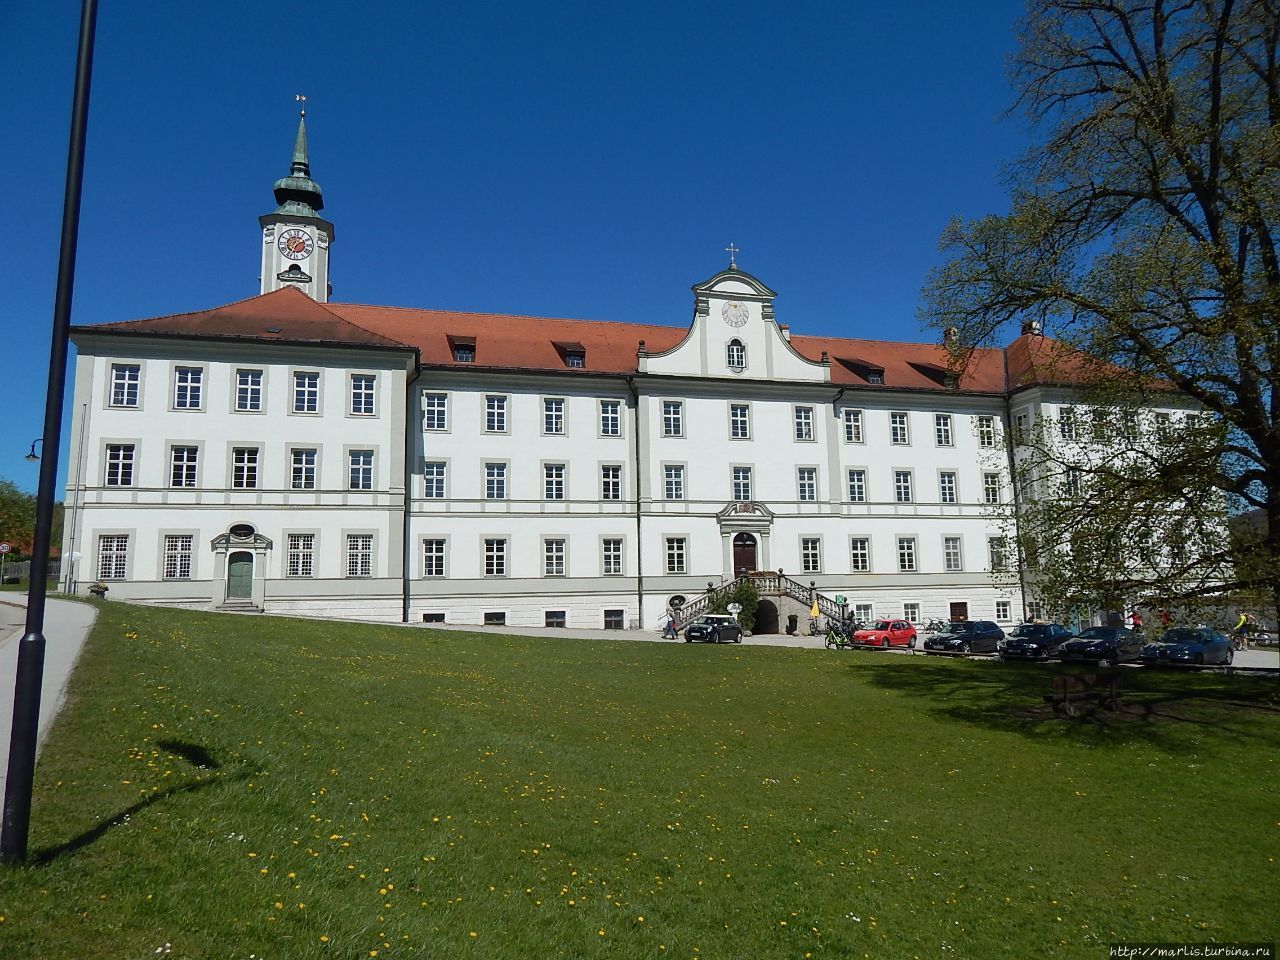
<point x="1072" y="693"/>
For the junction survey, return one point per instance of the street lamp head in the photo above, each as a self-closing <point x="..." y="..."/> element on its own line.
<point x="32" y="456"/>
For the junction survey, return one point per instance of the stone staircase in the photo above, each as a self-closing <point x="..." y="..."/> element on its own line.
<point x="767" y="584"/>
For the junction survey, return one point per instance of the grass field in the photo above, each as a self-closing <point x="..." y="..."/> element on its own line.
<point x="237" y="787"/>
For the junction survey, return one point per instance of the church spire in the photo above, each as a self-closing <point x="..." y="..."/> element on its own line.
<point x="295" y="237"/>
<point x="297" y="193"/>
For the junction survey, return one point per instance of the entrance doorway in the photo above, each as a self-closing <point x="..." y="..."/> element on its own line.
<point x="744" y="554"/>
<point x="959" y="611"/>
<point x="240" y="575"/>
<point x="766" y="618"/>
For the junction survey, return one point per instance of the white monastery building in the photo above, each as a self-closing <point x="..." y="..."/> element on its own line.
<point x="291" y="454"/>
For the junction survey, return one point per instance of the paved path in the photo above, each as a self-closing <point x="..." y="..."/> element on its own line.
<point x="66" y="625"/>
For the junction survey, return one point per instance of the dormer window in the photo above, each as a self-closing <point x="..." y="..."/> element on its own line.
<point x="875" y="376"/>
<point x="463" y="349"/>
<point x="572" y="353"/>
<point x="575" y="359"/>
<point x="736" y="355"/>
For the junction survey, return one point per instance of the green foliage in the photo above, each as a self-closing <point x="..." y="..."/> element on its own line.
<point x="744" y="592"/>
<point x="18" y="519"/>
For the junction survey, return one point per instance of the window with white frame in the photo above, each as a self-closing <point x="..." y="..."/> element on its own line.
<point x="1035" y="610"/>
<point x="177" y="556"/>
<point x="306" y="392"/>
<point x="1021" y="428"/>
<point x="300" y="555"/>
<point x="249" y="390"/>
<point x="183" y="462"/>
<point x="610" y="418"/>
<point x="1071" y="482"/>
<point x="672" y="418"/>
<point x="1099" y="424"/>
<point x="553" y="481"/>
<point x="857" y="486"/>
<point x="244" y="468"/>
<point x="611" y="556"/>
<point x="673" y="481"/>
<point x="495" y="481"/>
<point x="187" y="387"/>
<point x="952" y="558"/>
<point x="807" y="483"/>
<point x="363" y="388"/>
<point x="676" y="555"/>
<point x="898" y="432"/>
<point x="1164" y="426"/>
<point x="495" y="557"/>
<point x="736" y="355"/>
<point x="742" y="483"/>
<point x="860" y="554"/>
<point x="495" y="414"/>
<point x="113" y="556"/>
<point x="359" y="555"/>
<point x="947" y="487"/>
<point x="902" y="486"/>
<point x="907" y="554"/>
<point x="998" y="553"/>
<point x="1067" y="423"/>
<point x="991" y="488"/>
<point x="1129" y="425"/>
<point x="942" y="429"/>
<point x="853" y="426"/>
<point x="125" y="380"/>
<point x="433" y="478"/>
<point x="119" y="465"/>
<point x="739" y="421"/>
<point x="911" y="612"/>
<point x="986" y="431"/>
<point x="553" y="415"/>
<point x="433" y="558"/>
<point x="1004" y="611"/>
<point x="804" y="423"/>
<point x="435" y="411"/>
<point x="611" y="482"/>
<point x="864" y="612"/>
<point x="302" y="468"/>
<point x="811" y="554"/>
<point x="553" y="553"/>
<point x="360" y="464"/>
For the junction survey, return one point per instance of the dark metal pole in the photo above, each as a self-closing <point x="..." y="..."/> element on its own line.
<point x="26" y="698"/>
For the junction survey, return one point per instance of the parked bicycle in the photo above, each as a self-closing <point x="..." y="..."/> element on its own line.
<point x="934" y="626"/>
<point x="839" y="636"/>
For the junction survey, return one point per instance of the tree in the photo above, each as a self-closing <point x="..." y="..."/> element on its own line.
<point x="745" y="593"/>
<point x="1142" y="235"/>
<point x="18" y="518"/>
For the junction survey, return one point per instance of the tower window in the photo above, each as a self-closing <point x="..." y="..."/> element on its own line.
<point x="736" y="355"/>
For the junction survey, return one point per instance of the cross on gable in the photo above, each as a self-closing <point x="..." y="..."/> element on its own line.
<point x="732" y="250"/>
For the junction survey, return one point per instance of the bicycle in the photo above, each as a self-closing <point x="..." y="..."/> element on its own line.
<point x="839" y="636"/>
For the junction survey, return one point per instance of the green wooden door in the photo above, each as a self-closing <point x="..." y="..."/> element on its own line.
<point x="240" y="576"/>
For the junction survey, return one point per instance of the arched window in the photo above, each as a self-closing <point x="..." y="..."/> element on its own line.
<point x="736" y="354"/>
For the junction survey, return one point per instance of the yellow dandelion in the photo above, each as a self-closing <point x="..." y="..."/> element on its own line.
<point x="471" y="934"/>
<point x="324" y="938"/>
<point x="600" y="932"/>
<point x="279" y="905"/>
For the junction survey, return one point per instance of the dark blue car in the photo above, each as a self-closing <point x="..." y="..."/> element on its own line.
<point x="1188" y="645"/>
<point x="1101" y="645"/>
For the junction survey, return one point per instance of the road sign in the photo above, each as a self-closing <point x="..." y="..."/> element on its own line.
<point x="5" y="547"/>
<point x="734" y="608"/>
<point x="841" y="599"/>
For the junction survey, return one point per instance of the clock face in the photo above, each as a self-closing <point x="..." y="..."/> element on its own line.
<point x="734" y="313"/>
<point x="295" y="244"/>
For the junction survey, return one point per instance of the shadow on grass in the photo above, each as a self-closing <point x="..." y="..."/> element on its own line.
<point x="1158" y="706"/>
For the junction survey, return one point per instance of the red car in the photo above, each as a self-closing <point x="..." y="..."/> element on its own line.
<point x="887" y="633"/>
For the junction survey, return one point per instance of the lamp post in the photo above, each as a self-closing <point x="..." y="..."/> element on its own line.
<point x="32" y="456"/>
<point x="26" y="698"/>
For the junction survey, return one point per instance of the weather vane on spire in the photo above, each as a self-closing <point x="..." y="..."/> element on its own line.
<point x="732" y="250"/>
<point x="302" y="99"/>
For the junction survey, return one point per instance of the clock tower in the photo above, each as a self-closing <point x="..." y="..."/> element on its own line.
<point x="295" y="238"/>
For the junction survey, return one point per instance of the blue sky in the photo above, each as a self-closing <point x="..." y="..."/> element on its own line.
<point x="557" y="159"/>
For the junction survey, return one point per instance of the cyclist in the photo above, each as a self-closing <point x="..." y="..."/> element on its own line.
<point x="1241" y="631"/>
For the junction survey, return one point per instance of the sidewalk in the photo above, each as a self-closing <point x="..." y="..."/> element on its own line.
<point x="66" y="625"/>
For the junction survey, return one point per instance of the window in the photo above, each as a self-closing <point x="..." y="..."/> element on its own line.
<point x="911" y="612"/>
<point x="113" y="556"/>
<point x="860" y="554"/>
<point x="741" y="483"/>
<point x="187" y="382"/>
<point x="495" y="557"/>
<point x="672" y="418"/>
<point x="553" y="557"/>
<point x="863" y="612"/>
<point x="1067" y="423"/>
<point x="306" y="392"/>
<point x="739" y="421"/>
<point x="1004" y="611"/>
<point x="902" y="486"/>
<point x="359" y="554"/>
<point x="248" y="390"/>
<point x="1021" y="428"/>
<point x="553" y="481"/>
<point x="495" y="414"/>
<point x="1035" y="610"/>
<point x="495" y="618"/>
<point x="807" y="483"/>
<point x="495" y="481"/>
<point x="613" y="619"/>
<point x="300" y="555"/>
<point x="811" y="554"/>
<point x="947" y="487"/>
<point x="857" y="486"/>
<point x="907" y="554"/>
<point x="986" y="431"/>
<point x="464" y="353"/>
<point x="673" y="481"/>
<point x="853" y="426"/>
<point x="804" y="423"/>
<point x="182" y="466"/>
<point x="244" y="468"/>
<point x="553" y="416"/>
<point x="1129" y="425"/>
<point x="998" y="553"/>
<point x="952" y="559"/>
<point x="302" y="469"/>
<point x="736" y="355"/>
<point x="1071" y="482"/>
<point x="119" y="465"/>
<point x="555" y="618"/>
<point x="611" y="482"/>
<point x="433" y="476"/>
<point x="611" y="556"/>
<point x="177" y="556"/>
<point x="433" y="558"/>
<point x="942" y="429"/>
<point x="1099" y="428"/>
<point x="362" y="390"/>
<point x="675" y="555"/>
<point x="360" y="463"/>
<point x="610" y="418"/>
<point x="572" y="359"/>
<point x="125" y="378"/>
<point x="898" y="432"/>
<point x="433" y="618"/>
<point x="1164" y="426"/>
<point x="991" y="488"/>
<point x="435" y="411"/>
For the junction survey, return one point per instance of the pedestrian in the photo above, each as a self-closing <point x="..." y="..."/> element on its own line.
<point x="1135" y="619"/>
<point x="1242" y="631"/>
<point x="1166" y="619"/>
<point x="669" y="627"/>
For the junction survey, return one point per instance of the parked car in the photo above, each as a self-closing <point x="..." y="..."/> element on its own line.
<point x="966" y="636"/>
<point x="1034" y="641"/>
<point x="887" y="633"/>
<point x="714" y="627"/>
<point x="1188" y="645"/>
<point x="1101" y="644"/>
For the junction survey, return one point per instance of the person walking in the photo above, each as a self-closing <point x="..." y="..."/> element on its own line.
<point x="669" y="627"/>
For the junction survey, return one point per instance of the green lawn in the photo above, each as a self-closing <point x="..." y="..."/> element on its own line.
<point x="228" y="787"/>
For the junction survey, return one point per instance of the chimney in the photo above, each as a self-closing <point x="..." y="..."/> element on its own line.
<point x="1032" y="326"/>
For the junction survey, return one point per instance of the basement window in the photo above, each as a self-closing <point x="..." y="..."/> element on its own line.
<point x="495" y="618"/>
<point x="613" y="619"/>
<point x="433" y="618"/>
